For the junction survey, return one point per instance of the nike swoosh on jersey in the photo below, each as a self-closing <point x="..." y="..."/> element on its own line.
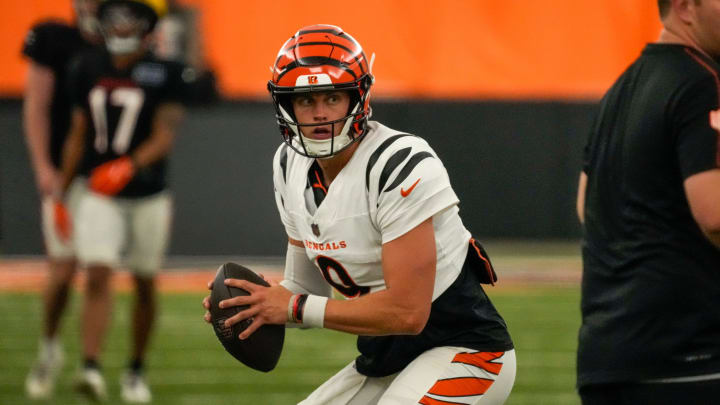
<point x="407" y="192"/>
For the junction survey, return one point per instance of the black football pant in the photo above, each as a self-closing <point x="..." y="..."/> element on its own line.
<point x="686" y="393"/>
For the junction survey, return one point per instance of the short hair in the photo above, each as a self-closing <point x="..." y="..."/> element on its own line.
<point x="664" y="7"/>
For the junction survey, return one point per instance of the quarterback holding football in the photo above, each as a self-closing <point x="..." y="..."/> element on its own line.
<point x="370" y="212"/>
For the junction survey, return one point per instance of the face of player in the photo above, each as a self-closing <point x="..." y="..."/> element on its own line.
<point x="124" y="31"/>
<point x="315" y="108"/>
<point x="706" y="25"/>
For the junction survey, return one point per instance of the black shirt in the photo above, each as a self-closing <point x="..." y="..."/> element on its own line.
<point x="53" y="45"/>
<point x="651" y="281"/>
<point x="120" y="106"/>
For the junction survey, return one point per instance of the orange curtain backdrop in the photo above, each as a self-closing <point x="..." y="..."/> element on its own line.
<point x="16" y="18"/>
<point x="454" y="49"/>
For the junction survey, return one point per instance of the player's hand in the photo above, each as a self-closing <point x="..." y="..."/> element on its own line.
<point x="62" y="219"/>
<point x="268" y="305"/>
<point x="111" y="177"/>
<point x="206" y="304"/>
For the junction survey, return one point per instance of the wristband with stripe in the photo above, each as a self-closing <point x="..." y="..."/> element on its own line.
<point x="290" y="308"/>
<point x="307" y="309"/>
<point x="299" y="308"/>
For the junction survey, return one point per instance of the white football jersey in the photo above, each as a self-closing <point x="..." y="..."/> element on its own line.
<point x="393" y="182"/>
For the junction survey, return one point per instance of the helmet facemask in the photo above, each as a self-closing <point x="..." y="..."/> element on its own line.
<point x="124" y="25"/>
<point x="353" y="123"/>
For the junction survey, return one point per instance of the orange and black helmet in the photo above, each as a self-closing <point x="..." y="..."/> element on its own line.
<point x="321" y="58"/>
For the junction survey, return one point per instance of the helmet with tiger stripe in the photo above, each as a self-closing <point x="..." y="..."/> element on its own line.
<point x="321" y="58"/>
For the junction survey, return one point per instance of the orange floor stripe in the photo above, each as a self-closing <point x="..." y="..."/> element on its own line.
<point x="28" y="276"/>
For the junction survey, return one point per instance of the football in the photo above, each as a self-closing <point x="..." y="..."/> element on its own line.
<point x="261" y="351"/>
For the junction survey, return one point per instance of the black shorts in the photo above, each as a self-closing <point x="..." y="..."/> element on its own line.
<point x="685" y="393"/>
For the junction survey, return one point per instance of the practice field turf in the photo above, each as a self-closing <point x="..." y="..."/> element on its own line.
<point x="189" y="366"/>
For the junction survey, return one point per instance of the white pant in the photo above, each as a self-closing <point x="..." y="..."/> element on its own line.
<point x="107" y="227"/>
<point x="56" y="247"/>
<point x="453" y="374"/>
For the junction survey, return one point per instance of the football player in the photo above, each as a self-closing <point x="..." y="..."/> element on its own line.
<point x="50" y="46"/>
<point x="127" y="106"/>
<point x="369" y="211"/>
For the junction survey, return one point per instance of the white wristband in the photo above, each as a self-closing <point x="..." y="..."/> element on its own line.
<point x="314" y="311"/>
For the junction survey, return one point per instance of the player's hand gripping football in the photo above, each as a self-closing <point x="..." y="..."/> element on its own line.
<point x="111" y="177"/>
<point x="267" y="305"/>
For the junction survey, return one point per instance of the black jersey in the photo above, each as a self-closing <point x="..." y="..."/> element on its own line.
<point x="120" y="106"/>
<point x="651" y="281"/>
<point x="53" y="44"/>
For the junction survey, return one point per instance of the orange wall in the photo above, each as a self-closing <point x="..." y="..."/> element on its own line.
<point x="426" y="48"/>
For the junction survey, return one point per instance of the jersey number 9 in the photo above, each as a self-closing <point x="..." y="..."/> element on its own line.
<point x="342" y="280"/>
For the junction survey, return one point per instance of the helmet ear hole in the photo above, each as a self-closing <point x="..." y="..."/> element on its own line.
<point x="285" y="101"/>
<point x="354" y="100"/>
<point x="367" y="82"/>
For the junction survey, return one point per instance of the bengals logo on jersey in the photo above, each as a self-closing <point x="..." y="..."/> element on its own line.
<point x="325" y="246"/>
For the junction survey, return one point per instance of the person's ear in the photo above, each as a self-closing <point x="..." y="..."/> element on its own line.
<point x="684" y="10"/>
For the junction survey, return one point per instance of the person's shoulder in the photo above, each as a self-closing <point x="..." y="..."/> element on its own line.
<point x="52" y="34"/>
<point x="281" y="153"/>
<point x="387" y="149"/>
<point x="384" y="141"/>
<point x="683" y="64"/>
<point x="285" y="158"/>
<point x="47" y="40"/>
<point x="703" y="67"/>
<point x="52" y="29"/>
<point x="693" y="75"/>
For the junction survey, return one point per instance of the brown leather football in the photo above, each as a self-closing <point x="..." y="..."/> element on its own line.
<point x="262" y="349"/>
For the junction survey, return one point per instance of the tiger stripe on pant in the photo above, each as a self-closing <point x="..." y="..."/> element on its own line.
<point x="456" y="384"/>
<point x="440" y="376"/>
